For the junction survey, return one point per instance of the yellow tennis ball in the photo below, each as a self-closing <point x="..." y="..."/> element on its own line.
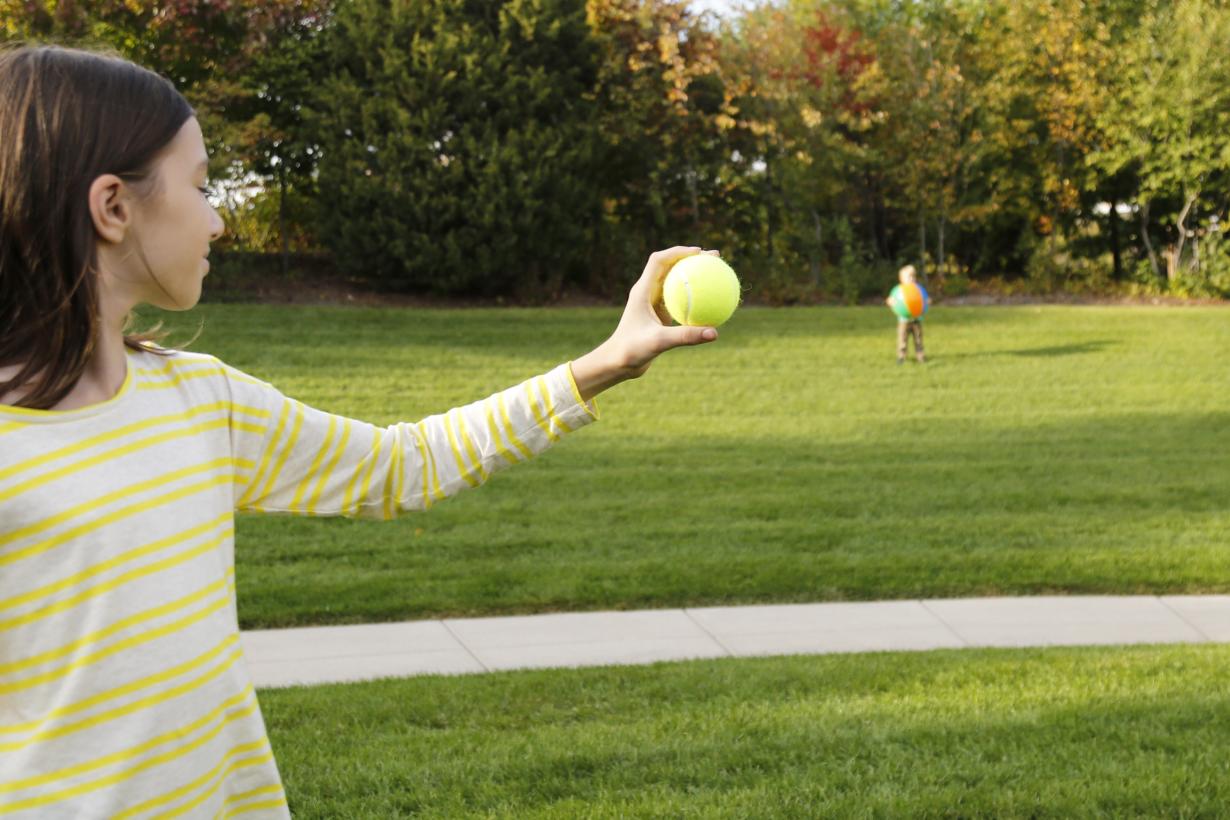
<point x="701" y="290"/>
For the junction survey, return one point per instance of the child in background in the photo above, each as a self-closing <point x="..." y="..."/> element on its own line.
<point x="123" y="688"/>
<point x="908" y="327"/>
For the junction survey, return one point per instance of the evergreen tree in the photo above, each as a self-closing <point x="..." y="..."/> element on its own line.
<point x="456" y="145"/>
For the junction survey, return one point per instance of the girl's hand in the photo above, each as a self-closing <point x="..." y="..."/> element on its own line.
<point x="644" y="331"/>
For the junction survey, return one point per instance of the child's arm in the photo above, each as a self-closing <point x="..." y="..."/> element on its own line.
<point x="310" y="462"/>
<point x="306" y="461"/>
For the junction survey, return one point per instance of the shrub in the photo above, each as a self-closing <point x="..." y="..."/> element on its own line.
<point x="457" y="152"/>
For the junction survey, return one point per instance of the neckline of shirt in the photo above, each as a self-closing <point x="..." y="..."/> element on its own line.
<point x="24" y="415"/>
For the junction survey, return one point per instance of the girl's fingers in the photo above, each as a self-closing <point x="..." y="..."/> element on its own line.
<point x="660" y="261"/>
<point x="670" y="256"/>
<point x="659" y="264"/>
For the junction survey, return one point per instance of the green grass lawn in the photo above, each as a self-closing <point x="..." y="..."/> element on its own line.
<point x="1043" y="449"/>
<point x="1069" y="733"/>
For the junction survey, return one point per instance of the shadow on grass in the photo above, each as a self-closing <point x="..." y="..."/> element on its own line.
<point x="1048" y="352"/>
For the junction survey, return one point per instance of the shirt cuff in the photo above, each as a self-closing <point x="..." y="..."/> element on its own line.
<point x="590" y="407"/>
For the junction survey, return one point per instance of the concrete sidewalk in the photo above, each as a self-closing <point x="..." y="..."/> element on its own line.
<point x="331" y="654"/>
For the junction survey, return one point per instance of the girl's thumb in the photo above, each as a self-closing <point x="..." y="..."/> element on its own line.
<point x="684" y="335"/>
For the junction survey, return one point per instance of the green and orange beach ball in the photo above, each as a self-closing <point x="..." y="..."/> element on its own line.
<point x="909" y="301"/>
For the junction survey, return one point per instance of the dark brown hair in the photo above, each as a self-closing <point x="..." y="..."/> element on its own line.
<point x="66" y="117"/>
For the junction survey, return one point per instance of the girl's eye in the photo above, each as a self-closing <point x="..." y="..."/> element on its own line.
<point x="207" y="190"/>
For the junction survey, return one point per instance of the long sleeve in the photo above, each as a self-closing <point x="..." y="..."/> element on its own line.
<point x="313" y="463"/>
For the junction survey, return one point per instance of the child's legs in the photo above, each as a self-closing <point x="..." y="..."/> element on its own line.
<point x="903" y="331"/>
<point x="916" y="330"/>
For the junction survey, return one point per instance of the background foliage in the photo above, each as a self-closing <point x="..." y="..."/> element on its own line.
<point x="534" y="146"/>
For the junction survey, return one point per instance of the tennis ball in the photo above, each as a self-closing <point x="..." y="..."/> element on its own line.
<point x="701" y="290"/>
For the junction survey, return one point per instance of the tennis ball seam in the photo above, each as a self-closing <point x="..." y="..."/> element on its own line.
<point x="687" y="289"/>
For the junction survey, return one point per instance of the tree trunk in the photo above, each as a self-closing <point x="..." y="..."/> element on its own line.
<point x="922" y="241"/>
<point x="815" y="257"/>
<point x="1113" y="222"/>
<point x="1055" y="204"/>
<point x="769" y="200"/>
<point x="282" y="218"/>
<point x="940" y="266"/>
<point x="868" y="208"/>
<point x="1173" y="269"/>
<point x="882" y="222"/>
<point x="1144" y="235"/>
<point x="692" y="194"/>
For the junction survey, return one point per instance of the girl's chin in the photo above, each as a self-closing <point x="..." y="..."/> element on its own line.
<point x="182" y="301"/>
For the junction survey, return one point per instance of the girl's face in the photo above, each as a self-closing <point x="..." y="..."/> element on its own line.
<point x="174" y="227"/>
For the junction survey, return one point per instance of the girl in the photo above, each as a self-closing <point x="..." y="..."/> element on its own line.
<point x="123" y="692"/>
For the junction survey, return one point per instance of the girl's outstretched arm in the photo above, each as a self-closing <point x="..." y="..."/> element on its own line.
<point x="294" y="458"/>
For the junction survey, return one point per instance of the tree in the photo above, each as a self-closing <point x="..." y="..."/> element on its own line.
<point x="262" y="111"/>
<point x="457" y="145"/>
<point x="663" y="109"/>
<point x="1045" y="97"/>
<point x="804" y="105"/>
<point x="931" y="89"/>
<point x="242" y="64"/>
<point x="1169" y="113"/>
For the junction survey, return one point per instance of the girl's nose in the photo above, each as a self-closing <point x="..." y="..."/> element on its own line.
<point x="218" y="228"/>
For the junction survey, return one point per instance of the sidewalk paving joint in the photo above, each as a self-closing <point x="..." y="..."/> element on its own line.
<point x="1186" y="620"/>
<point x="715" y="638"/>
<point x="945" y="624"/>
<point x="468" y="650"/>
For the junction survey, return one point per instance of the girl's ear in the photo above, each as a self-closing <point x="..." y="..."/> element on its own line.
<point x="110" y="208"/>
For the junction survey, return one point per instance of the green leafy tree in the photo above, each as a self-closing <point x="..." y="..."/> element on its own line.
<point x="262" y="111"/>
<point x="1169" y="114"/>
<point x="457" y="147"/>
<point x="1044" y="100"/>
<point x="663" y="114"/>
<point x="933" y="134"/>
<point x="244" y="65"/>
<point x="805" y="106"/>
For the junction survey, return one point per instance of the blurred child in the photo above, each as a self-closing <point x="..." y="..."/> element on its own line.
<point x="907" y="328"/>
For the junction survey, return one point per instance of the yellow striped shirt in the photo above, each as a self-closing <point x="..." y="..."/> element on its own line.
<point x="123" y="688"/>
